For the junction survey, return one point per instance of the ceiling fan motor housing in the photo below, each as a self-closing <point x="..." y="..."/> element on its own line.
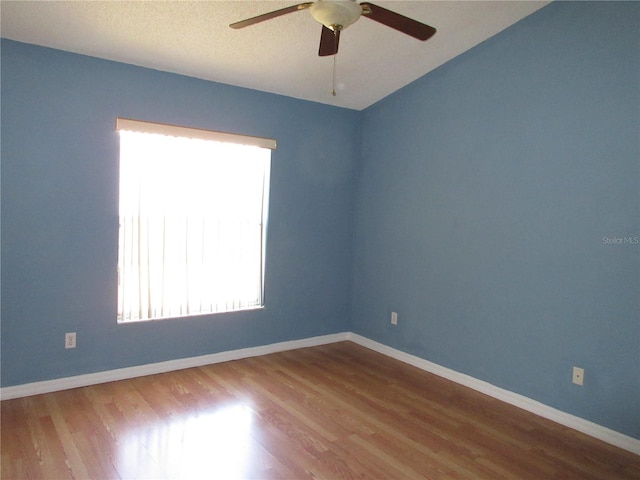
<point x="336" y="14"/>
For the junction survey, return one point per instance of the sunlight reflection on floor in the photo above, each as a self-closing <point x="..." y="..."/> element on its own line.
<point x="210" y="445"/>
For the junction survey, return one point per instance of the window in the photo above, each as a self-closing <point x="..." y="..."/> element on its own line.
<point x="193" y="211"/>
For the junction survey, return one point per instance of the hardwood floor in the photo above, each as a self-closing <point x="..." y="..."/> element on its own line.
<point x="337" y="411"/>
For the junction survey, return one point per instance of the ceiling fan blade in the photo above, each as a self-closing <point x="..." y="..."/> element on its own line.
<point x="270" y="15"/>
<point x="329" y="41"/>
<point x="398" y="22"/>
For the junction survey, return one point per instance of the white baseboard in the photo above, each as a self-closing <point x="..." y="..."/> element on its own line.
<point x="592" y="429"/>
<point x="47" y="386"/>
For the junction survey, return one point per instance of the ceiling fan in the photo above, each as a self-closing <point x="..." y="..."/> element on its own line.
<point x="336" y="15"/>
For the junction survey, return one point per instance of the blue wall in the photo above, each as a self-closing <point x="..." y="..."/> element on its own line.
<point x="60" y="213"/>
<point x="485" y="191"/>
<point x="473" y="202"/>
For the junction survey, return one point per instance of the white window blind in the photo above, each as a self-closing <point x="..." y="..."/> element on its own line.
<point x="193" y="211"/>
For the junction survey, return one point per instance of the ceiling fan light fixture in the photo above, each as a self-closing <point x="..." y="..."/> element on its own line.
<point x="336" y="14"/>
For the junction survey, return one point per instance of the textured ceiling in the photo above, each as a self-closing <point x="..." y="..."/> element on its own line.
<point x="278" y="56"/>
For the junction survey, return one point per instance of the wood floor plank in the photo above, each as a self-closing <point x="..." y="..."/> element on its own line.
<point x="337" y="411"/>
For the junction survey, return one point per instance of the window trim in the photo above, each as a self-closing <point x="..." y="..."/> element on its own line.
<point x="195" y="133"/>
<point x="144" y="127"/>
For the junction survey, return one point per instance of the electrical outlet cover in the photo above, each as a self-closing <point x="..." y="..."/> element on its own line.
<point x="578" y="375"/>
<point x="70" y="340"/>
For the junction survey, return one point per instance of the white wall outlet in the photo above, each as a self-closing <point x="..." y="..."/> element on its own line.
<point x="394" y="318"/>
<point x="578" y="375"/>
<point x="70" y="340"/>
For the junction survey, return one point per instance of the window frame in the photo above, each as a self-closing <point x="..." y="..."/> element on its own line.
<point x="124" y="316"/>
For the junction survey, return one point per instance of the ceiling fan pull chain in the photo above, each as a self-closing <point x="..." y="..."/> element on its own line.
<point x="333" y="84"/>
